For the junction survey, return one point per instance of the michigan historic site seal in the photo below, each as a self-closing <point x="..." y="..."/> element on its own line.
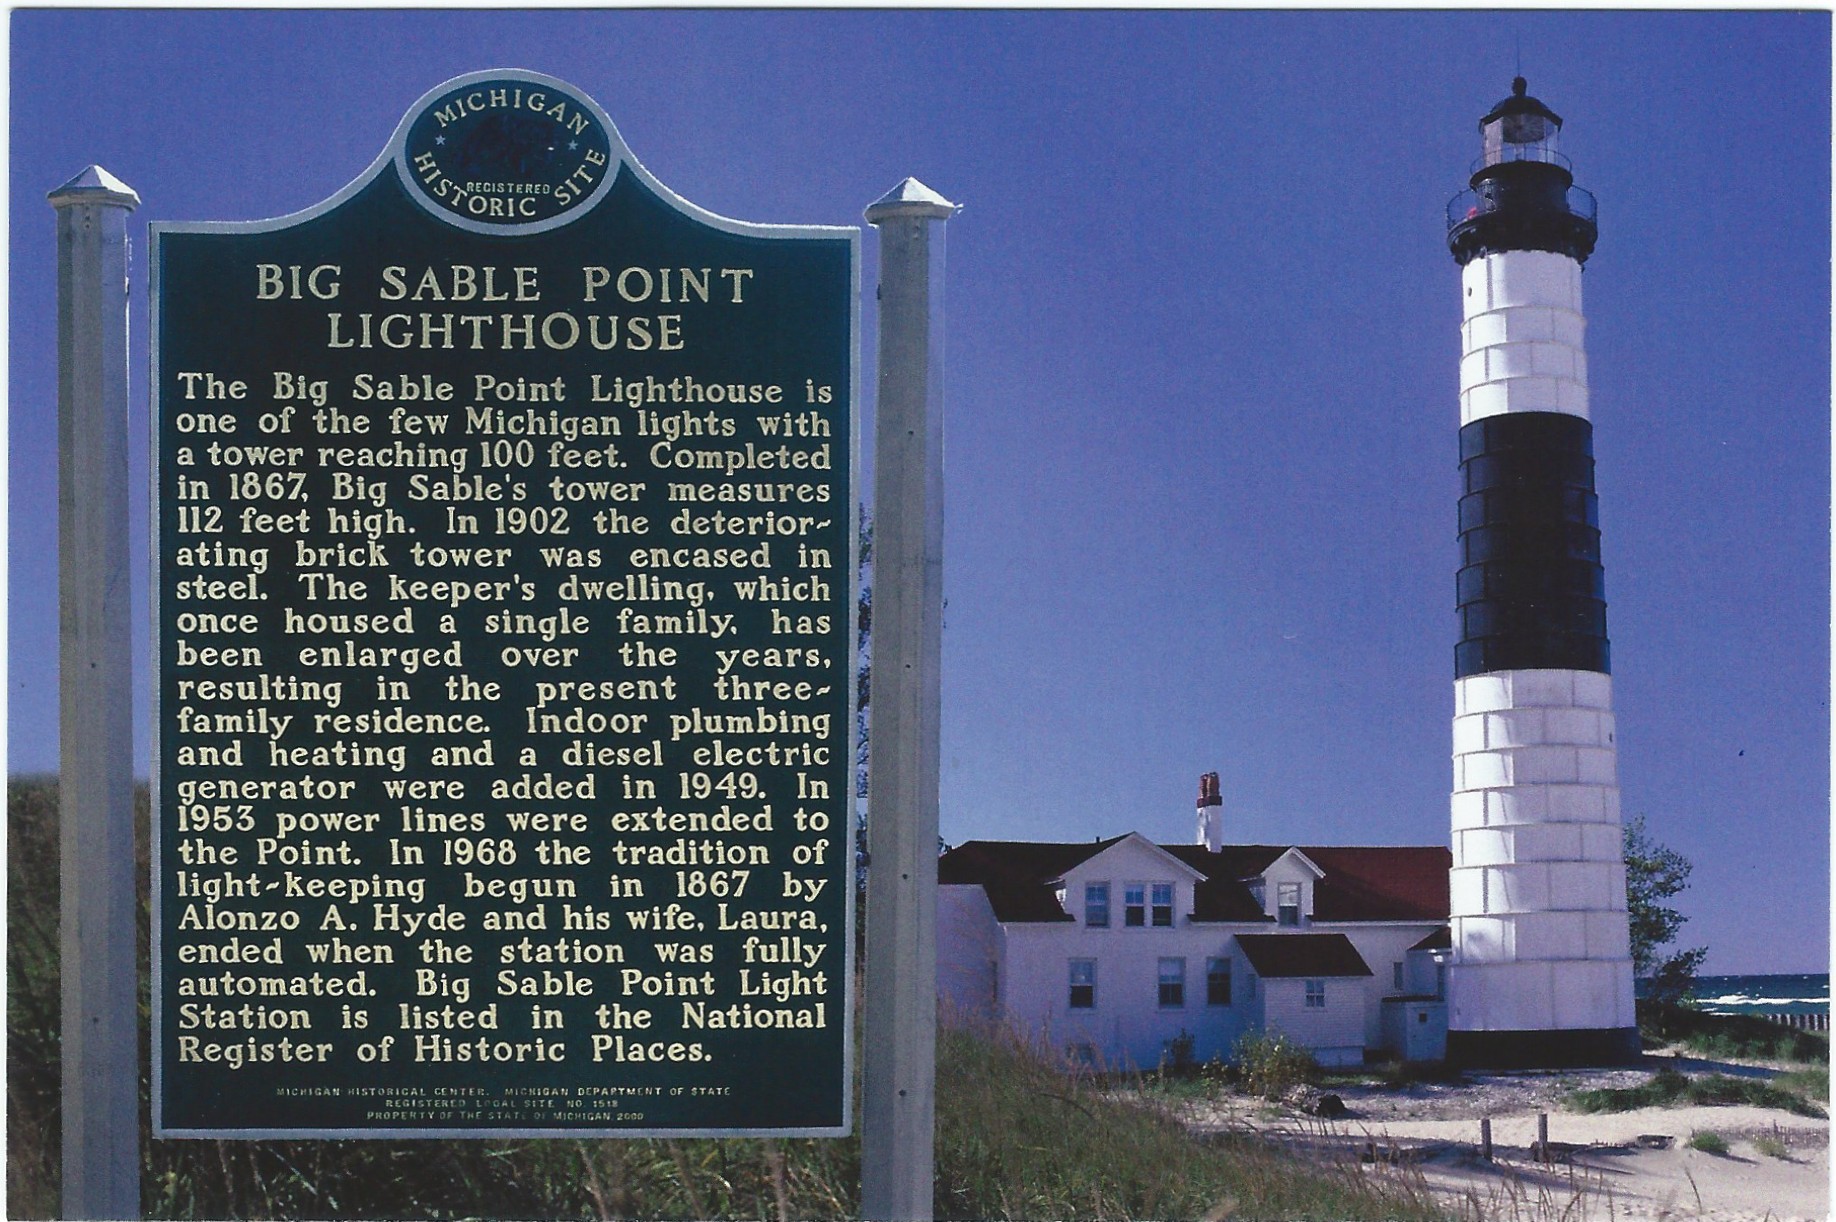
<point x="507" y="151"/>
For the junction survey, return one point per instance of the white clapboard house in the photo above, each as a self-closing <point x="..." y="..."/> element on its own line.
<point x="1112" y="950"/>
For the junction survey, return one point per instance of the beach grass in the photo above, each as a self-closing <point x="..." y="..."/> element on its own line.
<point x="1671" y="1088"/>
<point x="1029" y="1140"/>
<point x="1772" y="1145"/>
<point x="1708" y="1141"/>
<point x="1812" y="1082"/>
<point x="1738" y="1036"/>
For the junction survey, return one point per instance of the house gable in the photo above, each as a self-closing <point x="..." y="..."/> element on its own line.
<point x="1288" y="885"/>
<point x="1131" y="882"/>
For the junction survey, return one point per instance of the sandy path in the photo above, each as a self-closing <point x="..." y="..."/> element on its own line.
<point x="1599" y="1168"/>
<point x="1600" y="1162"/>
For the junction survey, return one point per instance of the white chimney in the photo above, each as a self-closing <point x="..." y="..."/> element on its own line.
<point x="1210" y="813"/>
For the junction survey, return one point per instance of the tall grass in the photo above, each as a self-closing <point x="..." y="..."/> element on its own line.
<point x="1668" y="1088"/>
<point x="1016" y="1136"/>
<point x="1813" y="1083"/>
<point x="1019" y="1137"/>
<point x="32" y="998"/>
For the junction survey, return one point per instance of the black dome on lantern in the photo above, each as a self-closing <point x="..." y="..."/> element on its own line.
<point x="1520" y="103"/>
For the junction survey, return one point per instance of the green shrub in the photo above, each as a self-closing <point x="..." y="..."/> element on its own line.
<point x="1270" y="1065"/>
<point x="1179" y="1059"/>
<point x="1708" y="1141"/>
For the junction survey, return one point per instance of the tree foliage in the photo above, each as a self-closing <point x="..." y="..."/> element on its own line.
<point x="1654" y="874"/>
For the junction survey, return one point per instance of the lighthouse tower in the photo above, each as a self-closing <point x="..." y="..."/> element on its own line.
<point x="1542" y="968"/>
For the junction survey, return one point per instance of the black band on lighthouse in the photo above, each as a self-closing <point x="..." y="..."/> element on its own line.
<point x="1523" y="205"/>
<point x="1531" y="591"/>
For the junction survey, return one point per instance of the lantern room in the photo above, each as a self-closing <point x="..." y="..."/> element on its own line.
<point x="1520" y="128"/>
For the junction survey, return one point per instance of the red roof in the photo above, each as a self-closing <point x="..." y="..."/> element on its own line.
<point x="1278" y="955"/>
<point x="1381" y="884"/>
<point x="1360" y="883"/>
<point x="1018" y="875"/>
<point x="1223" y="896"/>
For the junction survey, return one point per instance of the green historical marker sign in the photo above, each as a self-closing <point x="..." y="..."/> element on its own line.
<point x="504" y="523"/>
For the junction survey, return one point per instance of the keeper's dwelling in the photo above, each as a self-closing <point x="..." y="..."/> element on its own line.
<point x="1110" y="951"/>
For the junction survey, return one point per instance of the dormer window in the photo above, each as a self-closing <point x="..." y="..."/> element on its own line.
<point x="1288" y="899"/>
<point x="1162" y="896"/>
<point x="1134" y="905"/>
<point x="1096" y="905"/>
<point x="1259" y="892"/>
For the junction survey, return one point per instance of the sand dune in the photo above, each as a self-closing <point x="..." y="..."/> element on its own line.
<point x="1599" y="1167"/>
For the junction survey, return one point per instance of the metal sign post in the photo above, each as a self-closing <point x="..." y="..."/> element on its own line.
<point x="101" y="1048"/>
<point x="899" y="1075"/>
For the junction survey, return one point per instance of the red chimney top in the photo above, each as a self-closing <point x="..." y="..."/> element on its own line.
<point x="1208" y="794"/>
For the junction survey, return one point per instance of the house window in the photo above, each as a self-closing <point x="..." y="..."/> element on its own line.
<point x="1249" y="986"/>
<point x="1083" y="984"/>
<point x="1217" y="982"/>
<point x="1163" y="905"/>
<point x="1096" y="905"/>
<point x="1172" y="984"/>
<point x="1316" y="994"/>
<point x="1396" y="976"/>
<point x="1288" y="897"/>
<point x="1440" y="981"/>
<point x="1134" y="905"/>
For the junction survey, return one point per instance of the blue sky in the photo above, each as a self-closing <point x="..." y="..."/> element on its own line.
<point x="1202" y="366"/>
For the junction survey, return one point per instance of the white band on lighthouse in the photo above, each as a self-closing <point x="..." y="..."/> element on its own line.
<point x="1538" y="887"/>
<point x="1521" y="342"/>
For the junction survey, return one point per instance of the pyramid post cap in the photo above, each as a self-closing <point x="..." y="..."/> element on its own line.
<point x="95" y="185"/>
<point x="910" y="198"/>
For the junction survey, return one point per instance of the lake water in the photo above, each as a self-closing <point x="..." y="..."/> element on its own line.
<point x="1791" y="994"/>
